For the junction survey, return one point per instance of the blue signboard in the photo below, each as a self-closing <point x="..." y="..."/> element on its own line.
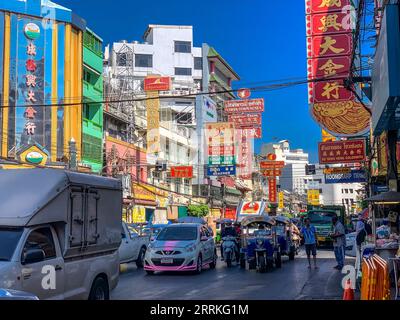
<point x="221" y="171"/>
<point x="355" y="176"/>
<point x="380" y="188"/>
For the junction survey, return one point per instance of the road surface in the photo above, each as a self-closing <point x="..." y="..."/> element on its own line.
<point x="294" y="281"/>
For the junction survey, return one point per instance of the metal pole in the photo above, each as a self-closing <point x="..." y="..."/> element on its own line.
<point x="72" y="155"/>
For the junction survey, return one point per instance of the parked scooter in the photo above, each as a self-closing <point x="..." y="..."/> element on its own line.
<point x="229" y="249"/>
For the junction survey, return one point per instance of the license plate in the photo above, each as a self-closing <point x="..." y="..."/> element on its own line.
<point x="167" y="261"/>
<point x="321" y="238"/>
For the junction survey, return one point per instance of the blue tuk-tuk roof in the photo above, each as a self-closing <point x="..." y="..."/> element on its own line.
<point x="257" y="219"/>
<point x="282" y="219"/>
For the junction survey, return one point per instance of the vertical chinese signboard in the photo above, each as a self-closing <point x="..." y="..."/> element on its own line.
<point x="152" y="86"/>
<point x="330" y="24"/>
<point x="281" y="200"/>
<point x="272" y="190"/>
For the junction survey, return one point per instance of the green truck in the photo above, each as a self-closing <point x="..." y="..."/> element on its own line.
<point x="321" y="219"/>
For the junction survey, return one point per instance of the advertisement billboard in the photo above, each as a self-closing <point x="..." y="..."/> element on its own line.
<point x="354" y="176"/>
<point x="157" y="83"/>
<point x="182" y="172"/>
<point x="153" y="122"/>
<point x="313" y="197"/>
<point x="220" y="139"/>
<point x="350" y="151"/>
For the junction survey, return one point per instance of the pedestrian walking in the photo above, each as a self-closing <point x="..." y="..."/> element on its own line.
<point x="339" y="242"/>
<point x="310" y="242"/>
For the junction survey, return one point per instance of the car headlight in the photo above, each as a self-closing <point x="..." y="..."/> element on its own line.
<point x="190" y="248"/>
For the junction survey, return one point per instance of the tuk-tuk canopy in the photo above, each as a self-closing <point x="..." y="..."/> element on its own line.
<point x="282" y="219"/>
<point x="257" y="220"/>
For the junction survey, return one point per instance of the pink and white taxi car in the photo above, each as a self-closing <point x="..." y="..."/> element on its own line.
<point x="181" y="247"/>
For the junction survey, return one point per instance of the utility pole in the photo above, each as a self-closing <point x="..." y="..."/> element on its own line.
<point x="72" y="155"/>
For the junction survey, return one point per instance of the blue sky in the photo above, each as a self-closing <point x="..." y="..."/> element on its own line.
<point x="263" y="40"/>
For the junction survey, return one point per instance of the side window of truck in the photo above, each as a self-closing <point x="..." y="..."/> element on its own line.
<point x="41" y="239"/>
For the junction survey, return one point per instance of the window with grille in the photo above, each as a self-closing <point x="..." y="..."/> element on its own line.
<point x="92" y="148"/>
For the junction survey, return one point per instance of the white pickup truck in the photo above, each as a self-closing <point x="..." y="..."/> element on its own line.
<point x="133" y="246"/>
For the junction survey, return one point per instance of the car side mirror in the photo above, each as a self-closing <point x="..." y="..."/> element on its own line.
<point x="203" y="238"/>
<point x="33" y="256"/>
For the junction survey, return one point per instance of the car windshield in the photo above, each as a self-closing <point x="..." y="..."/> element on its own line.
<point x="321" y="217"/>
<point x="9" y="239"/>
<point x="178" y="234"/>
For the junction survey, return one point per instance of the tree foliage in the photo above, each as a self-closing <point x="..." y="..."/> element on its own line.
<point x="198" y="210"/>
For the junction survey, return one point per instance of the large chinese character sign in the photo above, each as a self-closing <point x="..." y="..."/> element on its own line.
<point x="330" y="47"/>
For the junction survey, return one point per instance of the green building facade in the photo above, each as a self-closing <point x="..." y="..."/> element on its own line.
<point x="92" y="127"/>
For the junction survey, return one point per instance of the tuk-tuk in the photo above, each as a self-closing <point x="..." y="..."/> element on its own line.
<point x="284" y="236"/>
<point x="258" y="245"/>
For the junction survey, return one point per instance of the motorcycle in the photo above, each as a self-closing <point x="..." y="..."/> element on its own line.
<point x="229" y="249"/>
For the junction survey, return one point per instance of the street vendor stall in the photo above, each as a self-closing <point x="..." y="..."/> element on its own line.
<point x="384" y="214"/>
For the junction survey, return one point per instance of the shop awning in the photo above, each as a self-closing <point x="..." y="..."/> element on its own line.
<point x="146" y="203"/>
<point x="386" y="197"/>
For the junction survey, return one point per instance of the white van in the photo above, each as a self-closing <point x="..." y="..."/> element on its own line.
<point x="59" y="233"/>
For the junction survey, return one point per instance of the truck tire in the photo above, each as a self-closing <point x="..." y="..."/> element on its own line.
<point x="140" y="260"/>
<point x="99" y="290"/>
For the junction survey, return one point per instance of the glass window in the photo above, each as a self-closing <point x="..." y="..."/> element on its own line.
<point x="183" y="46"/>
<point x="198" y="63"/>
<point x="41" y="239"/>
<point x="177" y="233"/>
<point x="144" y="60"/>
<point x="178" y="182"/>
<point x="183" y="71"/>
<point x="9" y="239"/>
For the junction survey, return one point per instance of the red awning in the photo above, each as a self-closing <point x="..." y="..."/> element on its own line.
<point x="145" y="203"/>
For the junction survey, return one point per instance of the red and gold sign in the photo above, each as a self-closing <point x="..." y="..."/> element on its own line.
<point x="346" y="118"/>
<point x="335" y="22"/>
<point x="330" y="45"/>
<point x="330" y="91"/>
<point x="240" y="106"/>
<point x="157" y="84"/>
<point x="325" y="6"/>
<point x="333" y="67"/>
<point x="245" y="120"/>
<point x="182" y="172"/>
<point x="271" y="172"/>
<point x="272" y="165"/>
<point x="329" y="50"/>
<point x="350" y="151"/>
<point x="272" y="194"/>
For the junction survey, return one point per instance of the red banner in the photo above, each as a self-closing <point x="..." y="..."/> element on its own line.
<point x="325" y="6"/>
<point x="182" y="172"/>
<point x="272" y="190"/>
<point x="239" y="106"/>
<point x="349" y="151"/>
<point x="245" y="120"/>
<point x="157" y="84"/>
